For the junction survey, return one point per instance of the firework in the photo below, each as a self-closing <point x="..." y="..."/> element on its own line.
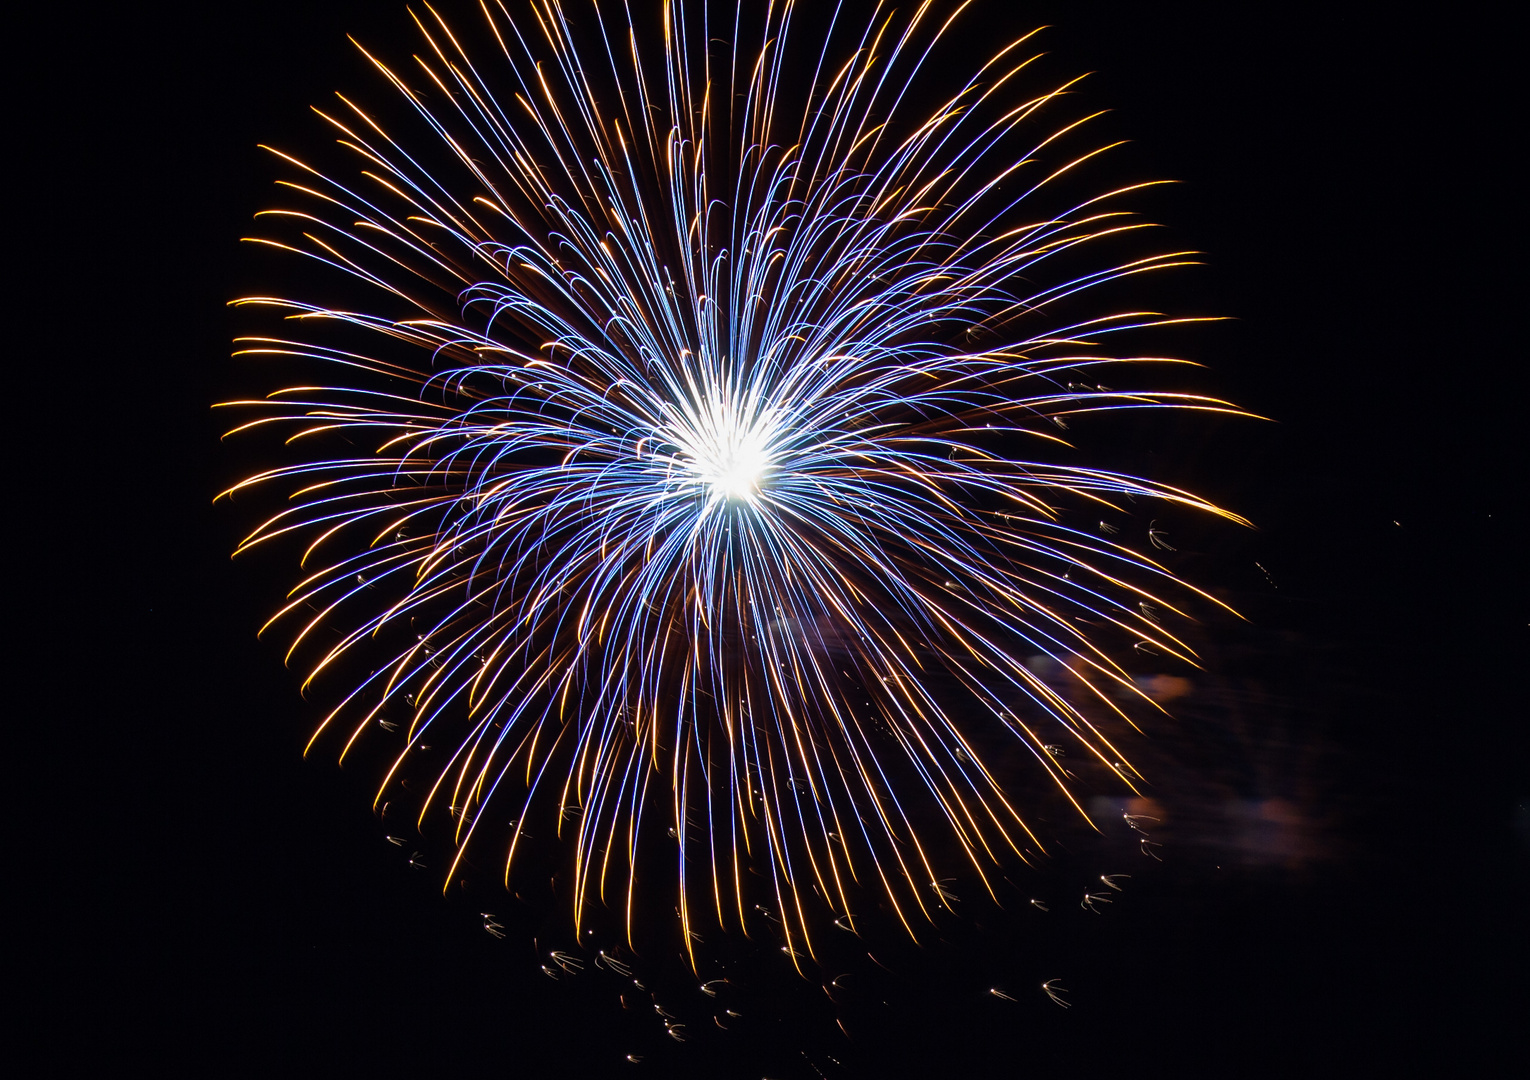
<point x="690" y="480"/>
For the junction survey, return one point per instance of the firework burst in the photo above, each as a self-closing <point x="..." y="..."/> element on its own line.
<point x="692" y="474"/>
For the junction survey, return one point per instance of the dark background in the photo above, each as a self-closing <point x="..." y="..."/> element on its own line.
<point x="211" y="902"/>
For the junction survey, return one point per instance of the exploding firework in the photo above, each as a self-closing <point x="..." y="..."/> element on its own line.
<point x="691" y="478"/>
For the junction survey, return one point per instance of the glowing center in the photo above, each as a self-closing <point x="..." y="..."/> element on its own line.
<point x="726" y="455"/>
<point x="738" y="471"/>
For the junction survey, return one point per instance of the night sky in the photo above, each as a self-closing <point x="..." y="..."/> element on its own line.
<point x="1348" y="889"/>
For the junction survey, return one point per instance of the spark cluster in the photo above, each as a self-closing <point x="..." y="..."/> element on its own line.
<point x="692" y="475"/>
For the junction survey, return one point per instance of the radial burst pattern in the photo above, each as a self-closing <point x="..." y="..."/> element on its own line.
<point x="691" y="478"/>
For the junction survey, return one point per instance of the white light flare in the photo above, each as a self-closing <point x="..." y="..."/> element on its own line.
<point x="727" y="454"/>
